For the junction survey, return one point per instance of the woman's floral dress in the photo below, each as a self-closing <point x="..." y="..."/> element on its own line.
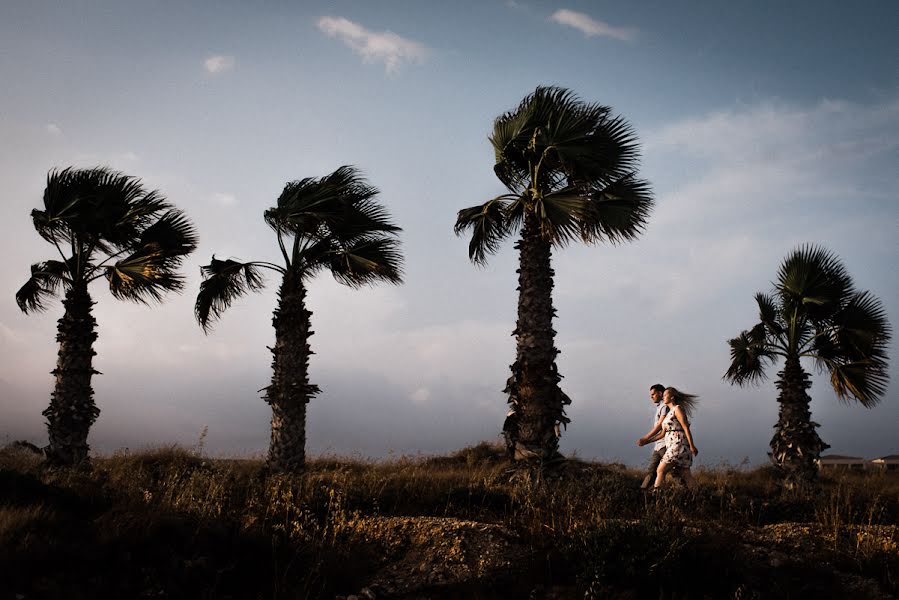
<point x="677" y="448"/>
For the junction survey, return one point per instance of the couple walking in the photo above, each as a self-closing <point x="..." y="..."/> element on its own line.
<point x="674" y="448"/>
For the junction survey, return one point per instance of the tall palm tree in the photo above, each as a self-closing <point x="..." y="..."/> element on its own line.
<point x="812" y="312"/>
<point x="570" y="171"/>
<point x="335" y="224"/>
<point x="103" y="225"/>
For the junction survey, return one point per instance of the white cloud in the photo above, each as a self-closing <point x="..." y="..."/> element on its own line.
<point x="736" y="189"/>
<point x="224" y="199"/>
<point x="590" y="26"/>
<point x="130" y="157"/>
<point x="375" y="46"/>
<point x="219" y="63"/>
<point x="421" y="396"/>
<point x="773" y="130"/>
<point x="53" y="129"/>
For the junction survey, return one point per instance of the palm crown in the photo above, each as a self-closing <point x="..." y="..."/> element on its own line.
<point x="331" y="222"/>
<point x="814" y="311"/>
<point x="570" y="164"/>
<point x="105" y="224"/>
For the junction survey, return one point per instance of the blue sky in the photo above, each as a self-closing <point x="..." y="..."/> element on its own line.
<point x="763" y="126"/>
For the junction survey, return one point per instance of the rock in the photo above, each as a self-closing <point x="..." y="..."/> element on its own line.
<point x="428" y="553"/>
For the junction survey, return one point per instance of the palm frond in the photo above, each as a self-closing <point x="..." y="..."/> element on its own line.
<point x="362" y="217"/>
<point x="515" y="133"/>
<point x="813" y="281"/>
<point x="515" y="213"/>
<point x="369" y="260"/>
<point x="97" y="208"/>
<point x="854" y="350"/>
<point x="749" y="353"/>
<point x="65" y="194"/>
<point x="599" y="149"/>
<point x="144" y="210"/>
<point x="560" y="216"/>
<point x="173" y="234"/>
<point x="769" y="313"/>
<point x="144" y="276"/>
<point x="489" y="226"/>
<point x="223" y="282"/>
<point x="861" y="329"/>
<point x="305" y="205"/>
<point x="150" y="270"/>
<point x="617" y="212"/>
<point x="45" y="282"/>
<point x="864" y="380"/>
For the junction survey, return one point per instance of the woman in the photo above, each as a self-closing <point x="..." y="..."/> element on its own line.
<point x="675" y="426"/>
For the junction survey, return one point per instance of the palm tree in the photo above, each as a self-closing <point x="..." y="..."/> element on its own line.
<point x="812" y="312"/>
<point x="570" y="171"/>
<point x="336" y="224"/>
<point x="103" y="225"/>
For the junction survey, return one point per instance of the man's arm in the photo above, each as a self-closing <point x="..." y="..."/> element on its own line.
<point x="652" y="435"/>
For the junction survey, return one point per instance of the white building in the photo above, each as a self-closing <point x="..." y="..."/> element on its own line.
<point x="887" y="463"/>
<point x="836" y="461"/>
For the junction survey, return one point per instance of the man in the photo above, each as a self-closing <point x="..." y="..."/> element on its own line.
<point x="658" y="451"/>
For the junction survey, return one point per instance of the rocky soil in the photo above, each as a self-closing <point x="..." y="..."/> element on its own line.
<point x="435" y="558"/>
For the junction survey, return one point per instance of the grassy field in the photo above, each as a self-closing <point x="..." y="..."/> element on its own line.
<point x="171" y="523"/>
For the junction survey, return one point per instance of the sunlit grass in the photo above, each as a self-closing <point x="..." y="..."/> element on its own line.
<point x="172" y="518"/>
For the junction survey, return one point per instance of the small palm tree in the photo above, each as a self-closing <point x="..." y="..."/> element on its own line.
<point x="335" y="224"/>
<point x="812" y="312"/>
<point x="570" y="171"/>
<point x="104" y="225"/>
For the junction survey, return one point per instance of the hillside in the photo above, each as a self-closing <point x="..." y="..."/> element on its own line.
<point x="171" y="523"/>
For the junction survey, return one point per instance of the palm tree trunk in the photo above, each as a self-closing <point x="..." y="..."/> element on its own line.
<point x="795" y="445"/>
<point x="537" y="403"/>
<point x="290" y="390"/>
<point x="72" y="410"/>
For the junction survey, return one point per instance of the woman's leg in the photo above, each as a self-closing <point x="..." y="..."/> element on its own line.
<point x="664" y="467"/>
<point x="652" y="468"/>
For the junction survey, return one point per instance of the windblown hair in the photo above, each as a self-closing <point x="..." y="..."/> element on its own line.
<point x="687" y="402"/>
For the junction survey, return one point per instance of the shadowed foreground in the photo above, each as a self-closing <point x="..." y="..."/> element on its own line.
<point x="170" y="523"/>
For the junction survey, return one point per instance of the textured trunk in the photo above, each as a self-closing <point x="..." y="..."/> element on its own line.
<point x="72" y="410"/>
<point x="536" y="402"/>
<point x="795" y="445"/>
<point x="290" y="390"/>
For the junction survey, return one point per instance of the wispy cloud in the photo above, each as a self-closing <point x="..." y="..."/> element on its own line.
<point x="779" y="133"/>
<point x="219" y="63"/>
<point x="53" y="129"/>
<point x="738" y="188"/>
<point x="223" y="199"/>
<point x="375" y="46"/>
<point x="590" y="26"/>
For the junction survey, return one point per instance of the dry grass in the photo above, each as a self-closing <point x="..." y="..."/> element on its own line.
<point x="171" y="523"/>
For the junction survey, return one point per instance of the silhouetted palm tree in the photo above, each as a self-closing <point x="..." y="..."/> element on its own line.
<point x="335" y="224"/>
<point x="570" y="170"/>
<point x="104" y="225"/>
<point x="812" y="312"/>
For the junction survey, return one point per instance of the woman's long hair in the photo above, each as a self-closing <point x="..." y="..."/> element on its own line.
<point x="687" y="402"/>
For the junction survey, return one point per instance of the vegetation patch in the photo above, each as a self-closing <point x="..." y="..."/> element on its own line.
<point x="171" y="523"/>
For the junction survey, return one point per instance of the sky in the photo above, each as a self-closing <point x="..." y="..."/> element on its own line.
<point x="763" y="126"/>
